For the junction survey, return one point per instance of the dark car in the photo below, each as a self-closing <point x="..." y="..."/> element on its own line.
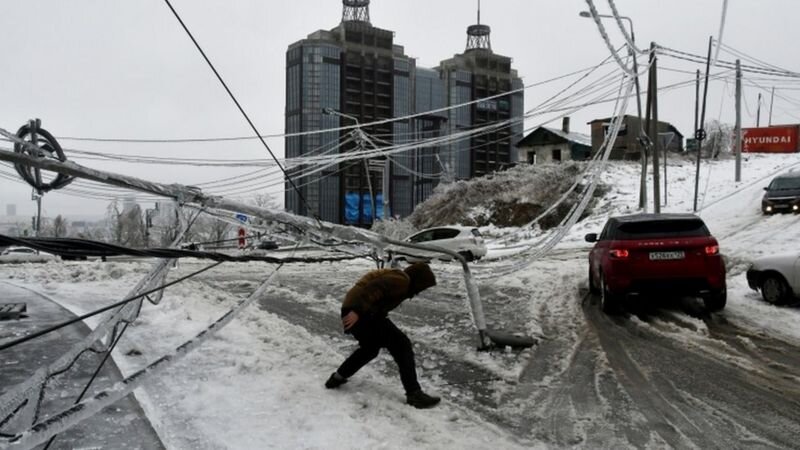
<point x="782" y="195"/>
<point x="267" y="245"/>
<point x="641" y="256"/>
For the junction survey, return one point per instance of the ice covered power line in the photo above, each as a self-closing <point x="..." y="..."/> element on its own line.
<point x="327" y="130"/>
<point x="692" y="57"/>
<point x="629" y="38"/>
<point x="721" y="30"/>
<point x="186" y="194"/>
<point x="233" y="97"/>
<point x="309" y="162"/>
<point x="603" y="34"/>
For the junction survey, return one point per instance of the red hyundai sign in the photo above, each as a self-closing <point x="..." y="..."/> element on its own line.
<point x="782" y="139"/>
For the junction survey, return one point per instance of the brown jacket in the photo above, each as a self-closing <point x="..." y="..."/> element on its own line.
<point x="378" y="292"/>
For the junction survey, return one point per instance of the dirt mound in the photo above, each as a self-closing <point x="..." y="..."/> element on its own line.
<point x="510" y="198"/>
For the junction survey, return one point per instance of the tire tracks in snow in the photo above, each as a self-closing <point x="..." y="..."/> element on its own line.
<point x="696" y="386"/>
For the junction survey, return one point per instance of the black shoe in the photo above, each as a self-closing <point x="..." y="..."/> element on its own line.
<point x="421" y="400"/>
<point x="335" y="380"/>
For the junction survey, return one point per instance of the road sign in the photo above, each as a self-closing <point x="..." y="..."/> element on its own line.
<point x="242" y="217"/>
<point x="242" y="235"/>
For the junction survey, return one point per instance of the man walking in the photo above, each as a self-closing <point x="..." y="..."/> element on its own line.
<point x="364" y="315"/>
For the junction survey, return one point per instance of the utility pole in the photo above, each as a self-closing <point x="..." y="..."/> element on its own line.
<point x="758" y="111"/>
<point x="35" y="124"/>
<point x="38" y="223"/>
<point x="369" y="186"/>
<point x="362" y="139"/>
<point x="697" y="103"/>
<point x="654" y="128"/>
<point x="386" y="186"/>
<point x="700" y="133"/>
<point x="771" y="102"/>
<point x="738" y="132"/>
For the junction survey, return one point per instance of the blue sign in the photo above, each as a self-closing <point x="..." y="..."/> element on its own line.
<point x="241" y="217"/>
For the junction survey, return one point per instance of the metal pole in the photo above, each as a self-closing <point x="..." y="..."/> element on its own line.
<point x="738" y="121"/>
<point x="771" y="102"/>
<point x="758" y="111"/>
<point x="666" y="145"/>
<point x="700" y="133"/>
<point x="38" y="215"/>
<point x="648" y="116"/>
<point x="654" y="129"/>
<point x="369" y="186"/>
<point x="34" y="125"/>
<point x="642" y="134"/>
<point x="697" y="100"/>
<point x="386" y="187"/>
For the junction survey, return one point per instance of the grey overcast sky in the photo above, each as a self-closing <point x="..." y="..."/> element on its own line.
<point x="111" y="69"/>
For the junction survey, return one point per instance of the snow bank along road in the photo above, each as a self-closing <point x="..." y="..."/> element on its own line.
<point x="112" y="428"/>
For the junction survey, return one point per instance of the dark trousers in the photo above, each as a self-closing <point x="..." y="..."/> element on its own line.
<point x="375" y="334"/>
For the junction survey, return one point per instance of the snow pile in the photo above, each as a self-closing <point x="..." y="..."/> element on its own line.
<point x="510" y="198"/>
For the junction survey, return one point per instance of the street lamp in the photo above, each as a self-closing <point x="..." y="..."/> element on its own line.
<point x="360" y="138"/>
<point x="642" y="135"/>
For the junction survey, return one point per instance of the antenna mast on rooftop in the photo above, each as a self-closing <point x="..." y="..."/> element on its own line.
<point x="478" y="35"/>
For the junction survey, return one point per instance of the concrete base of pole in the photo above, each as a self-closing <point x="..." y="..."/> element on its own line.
<point x="499" y="339"/>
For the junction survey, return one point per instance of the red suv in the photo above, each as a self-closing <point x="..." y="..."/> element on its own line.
<point x="648" y="254"/>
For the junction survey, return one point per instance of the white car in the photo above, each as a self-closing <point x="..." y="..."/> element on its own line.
<point x="777" y="277"/>
<point x="19" y="251"/>
<point x="464" y="240"/>
<point x="17" y="254"/>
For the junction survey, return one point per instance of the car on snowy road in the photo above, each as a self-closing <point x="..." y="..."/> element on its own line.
<point x="782" y="195"/>
<point x="267" y="245"/>
<point x="466" y="241"/>
<point x="19" y="254"/>
<point x="776" y="276"/>
<point x="640" y="256"/>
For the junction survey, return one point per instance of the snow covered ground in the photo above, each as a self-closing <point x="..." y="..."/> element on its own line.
<point x="258" y="382"/>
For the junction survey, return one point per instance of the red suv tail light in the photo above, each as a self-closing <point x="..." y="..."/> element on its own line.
<point x="619" y="253"/>
<point x="712" y="250"/>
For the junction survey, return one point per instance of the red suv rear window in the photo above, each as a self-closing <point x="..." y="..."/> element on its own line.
<point x="661" y="228"/>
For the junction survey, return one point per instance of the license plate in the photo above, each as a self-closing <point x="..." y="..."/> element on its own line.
<point x="661" y="256"/>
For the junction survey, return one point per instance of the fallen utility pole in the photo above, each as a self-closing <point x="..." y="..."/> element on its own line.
<point x="190" y="194"/>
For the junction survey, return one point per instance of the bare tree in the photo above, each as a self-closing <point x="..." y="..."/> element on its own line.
<point x="59" y="226"/>
<point x="113" y="226"/>
<point x="126" y="227"/>
<point x="719" y="139"/>
<point x="264" y="201"/>
<point x="133" y="225"/>
<point x="217" y="230"/>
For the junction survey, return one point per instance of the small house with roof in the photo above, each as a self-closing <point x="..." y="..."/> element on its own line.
<point x="546" y="145"/>
<point x="627" y="145"/>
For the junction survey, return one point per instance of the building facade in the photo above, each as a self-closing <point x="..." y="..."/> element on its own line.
<point x="487" y="80"/>
<point x="356" y="74"/>
<point x="627" y="145"/>
<point x="351" y="74"/>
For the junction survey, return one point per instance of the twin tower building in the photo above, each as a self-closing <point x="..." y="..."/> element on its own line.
<point x="356" y="74"/>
